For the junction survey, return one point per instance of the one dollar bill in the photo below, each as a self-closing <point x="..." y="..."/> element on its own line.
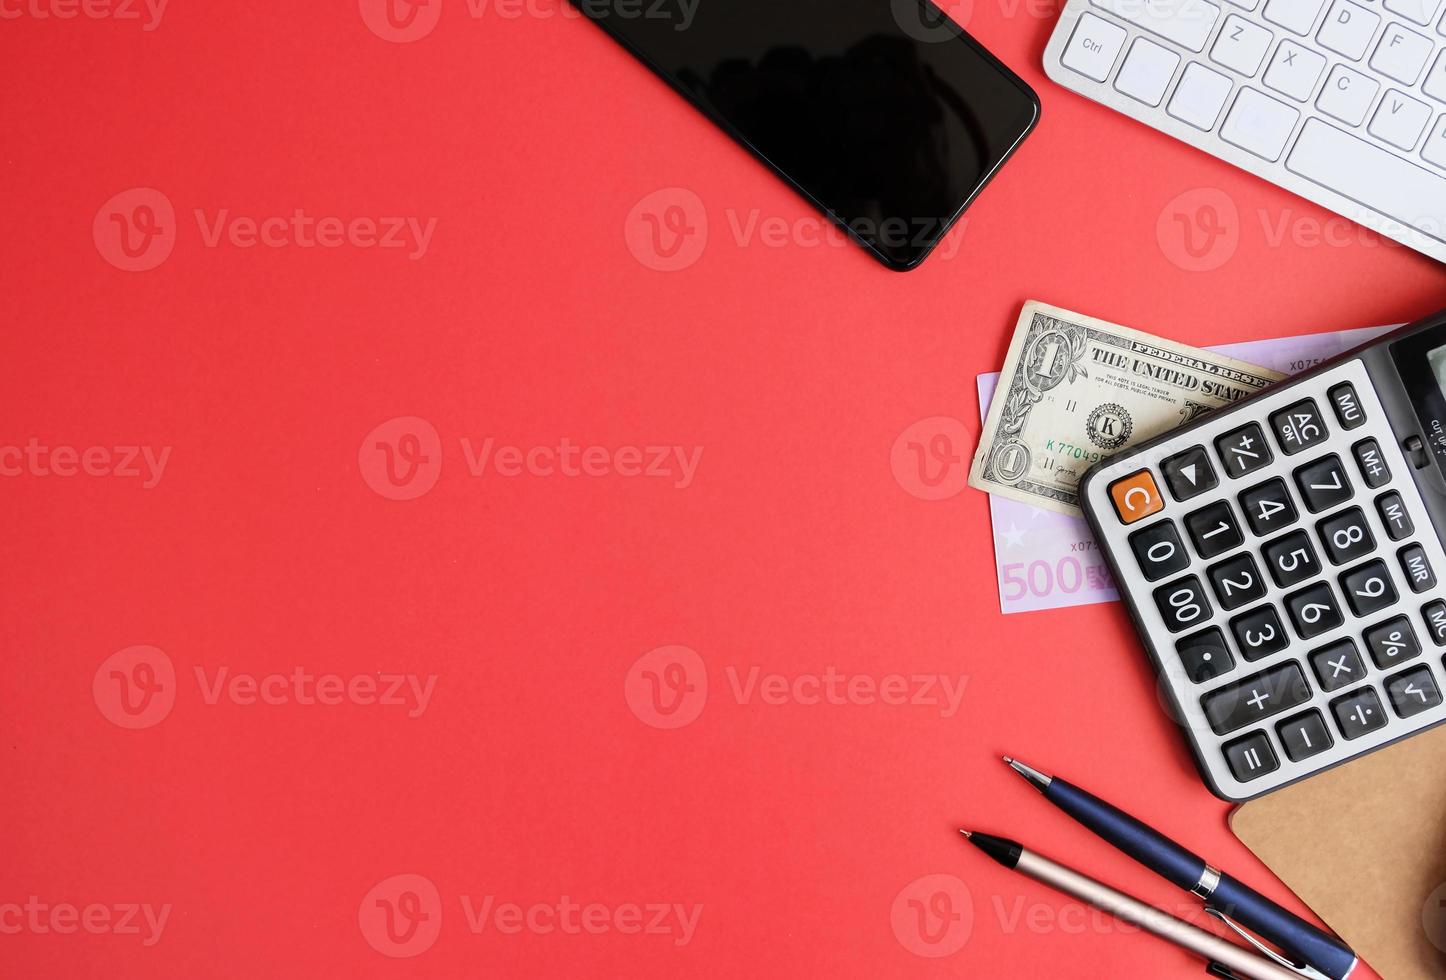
<point x="1076" y="390"/>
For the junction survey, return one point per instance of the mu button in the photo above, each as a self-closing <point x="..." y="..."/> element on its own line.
<point x="1136" y="497"/>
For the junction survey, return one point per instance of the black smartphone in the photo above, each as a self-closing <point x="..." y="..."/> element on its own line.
<point x="885" y="114"/>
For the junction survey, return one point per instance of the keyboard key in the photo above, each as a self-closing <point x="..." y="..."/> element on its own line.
<point x="1205" y="655"/>
<point x="1434" y="149"/>
<point x="1337" y="666"/>
<point x="1291" y="559"/>
<point x="1420" y="11"/>
<point x="1359" y="712"/>
<point x="1268" y="507"/>
<point x="1394" y="515"/>
<point x="1372" y="464"/>
<point x="1251" y="757"/>
<point x="1368" y="589"/>
<point x="1241" y="45"/>
<point x="1347" y="403"/>
<point x="1399" y="120"/>
<point x="1413" y="691"/>
<point x="1347" y="95"/>
<point x="1136" y="497"/>
<point x="1304" y="735"/>
<point x="1418" y="570"/>
<point x="1255" y="698"/>
<point x="1243" y="450"/>
<point x="1259" y="124"/>
<point x="1259" y="633"/>
<point x="1346" y="536"/>
<point x="1147" y="71"/>
<point x="1236" y="581"/>
<point x="1369" y="175"/>
<point x="1159" y="551"/>
<point x="1392" y="642"/>
<point x="1401" y="54"/>
<point x="1199" y="96"/>
<point x="1435" y="84"/>
<point x="1186" y="22"/>
<point x="1348" y="29"/>
<point x="1300" y="426"/>
<point x="1213" y="529"/>
<point x="1294" y="70"/>
<point x="1189" y="474"/>
<point x="1294" y="15"/>
<point x="1323" y="484"/>
<point x="1182" y="604"/>
<point x="1093" y="47"/>
<point x="1313" y="610"/>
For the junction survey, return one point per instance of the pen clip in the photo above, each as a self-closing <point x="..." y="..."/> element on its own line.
<point x="1302" y="969"/>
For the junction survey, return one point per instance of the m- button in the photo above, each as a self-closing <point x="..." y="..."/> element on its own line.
<point x="1136" y="497"/>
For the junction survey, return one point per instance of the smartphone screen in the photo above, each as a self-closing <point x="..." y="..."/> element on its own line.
<point x="883" y="113"/>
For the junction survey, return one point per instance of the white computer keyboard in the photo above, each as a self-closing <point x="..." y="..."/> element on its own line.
<point x="1341" y="101"/>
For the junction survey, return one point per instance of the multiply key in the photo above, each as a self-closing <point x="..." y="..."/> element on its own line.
<point x="1259" y="696"/>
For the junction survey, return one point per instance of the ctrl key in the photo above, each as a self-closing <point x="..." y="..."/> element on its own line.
<point x="1251" y="757"/>
<point x="1093" y="48"/>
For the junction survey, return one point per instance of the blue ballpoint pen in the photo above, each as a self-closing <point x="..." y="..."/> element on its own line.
<point x="1307" y="950"/>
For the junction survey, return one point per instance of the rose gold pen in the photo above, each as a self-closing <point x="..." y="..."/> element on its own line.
<point x="1238" y="961"/>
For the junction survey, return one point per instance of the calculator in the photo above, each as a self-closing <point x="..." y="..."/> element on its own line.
<point x="1282" y="561"/>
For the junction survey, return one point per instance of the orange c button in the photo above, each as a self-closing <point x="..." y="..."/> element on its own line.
<point x="1136" y="497"/>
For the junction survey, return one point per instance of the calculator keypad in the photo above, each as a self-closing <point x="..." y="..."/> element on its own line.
<point x="1298" y="427"/>
<point x="1159" y="551"/>
<point x="1372" y="463"/>
<point x="1346" y="536"/>
<point x="1244" y="450"/>
<point x="1291" y="559"/>
<point x="1189" y="474"/>
<point x="1259" y="633"/>
<point x="1268" y="507"/>
<point x="1214" y="530"/>
<point x="1183" y="604"/>
<point x="1295" y="644"/>
<point x="1323" y="484"/>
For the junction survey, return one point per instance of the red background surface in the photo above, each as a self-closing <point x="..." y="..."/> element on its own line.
<point x="795" y="549"/>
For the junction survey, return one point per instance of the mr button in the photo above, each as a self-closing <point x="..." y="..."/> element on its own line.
<point x="1136" y="497"/>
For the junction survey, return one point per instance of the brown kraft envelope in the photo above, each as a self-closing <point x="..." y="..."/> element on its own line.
<point x="1364" y="845"/>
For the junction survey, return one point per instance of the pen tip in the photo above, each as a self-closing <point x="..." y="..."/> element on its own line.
<point x="1008" y="761"/>
<point x="967" y="833"/>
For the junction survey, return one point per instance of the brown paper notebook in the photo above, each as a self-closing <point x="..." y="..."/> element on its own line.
<point x="1364" y="845"/>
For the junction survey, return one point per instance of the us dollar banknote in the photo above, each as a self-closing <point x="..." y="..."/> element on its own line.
<point x="1076" y="390"/>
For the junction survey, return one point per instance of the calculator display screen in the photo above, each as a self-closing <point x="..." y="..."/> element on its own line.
<point x="1421" y="361"/>
<point x="1437" y="360"/>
